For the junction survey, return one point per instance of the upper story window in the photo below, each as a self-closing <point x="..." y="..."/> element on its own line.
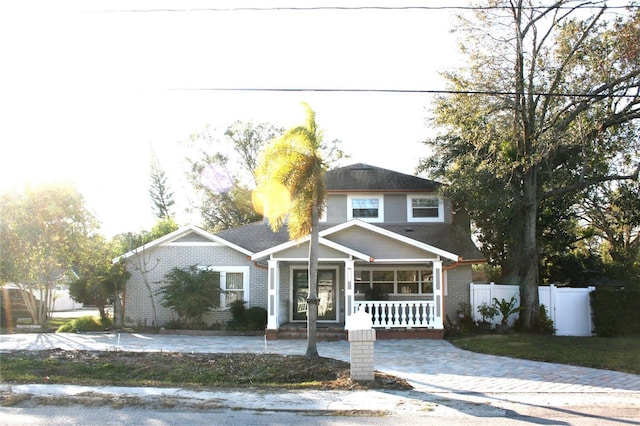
<point x="422" y="208"/>
<point x="366" y="208"/>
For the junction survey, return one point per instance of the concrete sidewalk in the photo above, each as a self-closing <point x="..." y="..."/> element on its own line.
<point x="441" y="374"/>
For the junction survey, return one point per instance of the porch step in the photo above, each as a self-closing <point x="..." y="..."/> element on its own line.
<point x="322" y="334"/>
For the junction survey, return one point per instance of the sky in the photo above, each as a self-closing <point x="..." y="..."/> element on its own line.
<point x="90" y="89"/>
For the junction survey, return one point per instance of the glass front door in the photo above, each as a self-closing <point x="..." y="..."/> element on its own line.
<point x="326" y="294"/>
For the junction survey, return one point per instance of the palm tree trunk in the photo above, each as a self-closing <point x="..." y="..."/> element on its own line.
<point x="312" y="298"/>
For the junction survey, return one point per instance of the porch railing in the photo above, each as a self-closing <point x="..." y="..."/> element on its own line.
<point x="405" y="314"/>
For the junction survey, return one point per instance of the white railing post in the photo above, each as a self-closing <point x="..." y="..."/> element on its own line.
<point x="400" y="314"/>
<point x="349" y="292"/>
<point x="273" y="295"/>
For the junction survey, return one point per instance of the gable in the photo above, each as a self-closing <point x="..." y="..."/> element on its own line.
<point x="191" y="238"/>
<point x="188" y="235"/>
<point x="301" y="251"/>
<point x="379" y="246"/>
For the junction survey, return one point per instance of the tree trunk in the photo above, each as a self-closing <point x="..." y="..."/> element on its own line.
<point x="312" y="298"/>
<point x="529" y="299"/>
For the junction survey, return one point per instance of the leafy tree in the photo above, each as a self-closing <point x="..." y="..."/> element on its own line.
<point x="222" y="173"/>
<point x="544" y="109"/>
<point x="141" y="261"/>
<point x="161" y="196"/>
<point x="128" y="241"/>
<point x="98" y="278"/>
<point x="191" y="292"/>
<point x="43" y="233"/>
<point x="249" y="140"/>
<point x="296" y="163"/>
<point x="612" y="214"/>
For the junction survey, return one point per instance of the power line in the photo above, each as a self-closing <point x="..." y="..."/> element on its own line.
<point x="357" y="8"/>
<point x="407" y="91"/>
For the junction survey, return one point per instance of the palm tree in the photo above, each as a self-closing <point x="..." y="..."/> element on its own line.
<point x="294" y="161"/>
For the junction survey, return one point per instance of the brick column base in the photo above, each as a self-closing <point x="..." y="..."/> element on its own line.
<point x="362" y="354"/>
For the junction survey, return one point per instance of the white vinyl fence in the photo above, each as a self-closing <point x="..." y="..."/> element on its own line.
<point x="569" y="308"/>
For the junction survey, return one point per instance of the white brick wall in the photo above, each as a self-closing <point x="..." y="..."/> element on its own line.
<point x="160" y="260"/>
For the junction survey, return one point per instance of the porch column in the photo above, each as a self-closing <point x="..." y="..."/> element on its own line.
<point x="438" y="293"/>
<point x="349" y="291"/>
<point x="273" y="295"/>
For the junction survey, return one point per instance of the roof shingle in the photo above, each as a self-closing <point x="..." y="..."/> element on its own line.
<point x="363" y="177"/>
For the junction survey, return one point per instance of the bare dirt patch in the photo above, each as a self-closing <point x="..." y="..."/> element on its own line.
<point x="195" y="370"/>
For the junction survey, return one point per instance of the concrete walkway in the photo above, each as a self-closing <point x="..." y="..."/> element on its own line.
<point x="433" y="367"/>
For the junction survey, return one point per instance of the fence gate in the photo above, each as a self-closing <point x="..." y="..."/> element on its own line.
<point x="569" y="308"/>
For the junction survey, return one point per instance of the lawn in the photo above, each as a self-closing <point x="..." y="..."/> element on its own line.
<point x="168" y="369"/>
<point x="619" y="354"/>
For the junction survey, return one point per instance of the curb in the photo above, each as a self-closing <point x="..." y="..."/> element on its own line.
<point x="237" y="399"/>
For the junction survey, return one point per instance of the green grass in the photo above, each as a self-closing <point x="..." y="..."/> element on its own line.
<point x="54" y="324"/>
<point x="619" y="354"/>
<point x="85" y="323"/>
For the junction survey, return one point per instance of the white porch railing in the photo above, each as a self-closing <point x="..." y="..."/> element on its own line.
<point x="396" y="314"/>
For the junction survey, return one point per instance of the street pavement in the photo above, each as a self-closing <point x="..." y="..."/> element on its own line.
<point x="445" y="379"/>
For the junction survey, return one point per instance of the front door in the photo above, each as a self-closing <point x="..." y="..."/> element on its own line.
<point x="326" y="294"/>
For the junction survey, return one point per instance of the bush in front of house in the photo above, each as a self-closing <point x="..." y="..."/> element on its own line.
<point x="615" y="311"/>
<point x="86" y="323"/>
<point x="254" y="318"/>
<point x="191" y="292"/>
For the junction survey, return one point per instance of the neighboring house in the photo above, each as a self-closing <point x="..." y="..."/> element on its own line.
<point x="388" y="244"/>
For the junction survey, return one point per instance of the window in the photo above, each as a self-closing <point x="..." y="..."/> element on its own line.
<point x="234" y="283"/>
<point x="234" y="286"/>
<point x="408" y="282"/>
<point x="382" y="282"/>
<point x="425" y="209"/>
<point x="363" y="281"/>
<point x="379" y="282"/>
<point x="369" y="209"/>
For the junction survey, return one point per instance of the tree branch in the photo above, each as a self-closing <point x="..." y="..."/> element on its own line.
<point x="587" y="183"/>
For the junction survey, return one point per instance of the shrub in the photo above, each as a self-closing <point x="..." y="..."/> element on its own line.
<point x="254" y="318"/>
<point x="463" y="324"/>
<point x="191" y="292"/>
<point x="615" y="311"/>
<point x="86" y="323"/>
<point x="488" y="312"/>
<point x="506" y="308"/>
<point x="237" y="309"/>
<point x="543" y="326"/>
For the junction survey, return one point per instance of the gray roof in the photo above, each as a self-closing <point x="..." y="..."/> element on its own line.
<point x="258" y="236"/>
<point x="255" y="237"/>
<point x="363" y="177"/>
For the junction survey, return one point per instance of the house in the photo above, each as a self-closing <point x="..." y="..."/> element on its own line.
<point x="389" y="244"/>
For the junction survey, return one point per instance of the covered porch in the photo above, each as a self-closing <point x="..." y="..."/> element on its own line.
<point x="402" y="294"/>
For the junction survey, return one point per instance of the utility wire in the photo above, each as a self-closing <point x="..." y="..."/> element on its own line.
<point x="356" y="8"/>
<point x="417" y="91"/>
